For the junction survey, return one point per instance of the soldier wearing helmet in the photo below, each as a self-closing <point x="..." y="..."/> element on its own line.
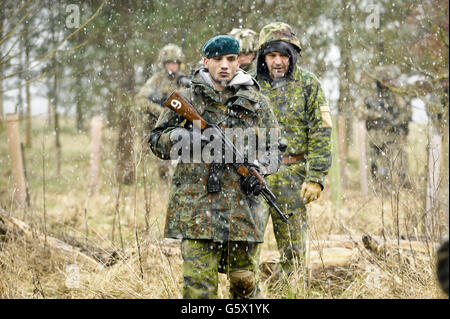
<point x="305" y="122"/>
<point x="387" y="116"/>
<point x="248" y="42"/>
<point x="156" y="90"/>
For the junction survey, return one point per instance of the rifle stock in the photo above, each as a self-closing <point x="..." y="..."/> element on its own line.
<point x="177" y="103"/>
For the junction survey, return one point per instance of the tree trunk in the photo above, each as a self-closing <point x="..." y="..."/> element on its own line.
<point x="125" y="155"/>
<point x="96" y="136"/>
<point x="335" y="176"/>
<point x="19" y="106"/>
<point x="56" y="125"/>
<point x="2" y="113"/>
<point x="17" y="168"/>
<point x="54" y="98"/>
<point x="79" y="102"/>
<point x="433" y="167"/>
<point x="79" y="115"/>
<point x="342" y="147"/>
<point x="27" y="87"/>
<point x="361" y="127"/>
<point x="345" y="101"/>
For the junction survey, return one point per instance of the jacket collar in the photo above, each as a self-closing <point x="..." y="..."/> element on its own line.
<point x="243" y="86"/>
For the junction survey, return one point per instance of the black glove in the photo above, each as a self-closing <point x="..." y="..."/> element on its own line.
<point x="250" y="184"/>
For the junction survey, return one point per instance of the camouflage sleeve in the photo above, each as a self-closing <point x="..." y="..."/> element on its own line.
<point x="143" y="101"/>
<point x="272" y="158"/>
<point x="160" y="142"/>
<point x="319" y="134"/>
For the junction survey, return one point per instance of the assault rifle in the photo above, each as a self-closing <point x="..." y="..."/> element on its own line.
<point x="177" y="103"/>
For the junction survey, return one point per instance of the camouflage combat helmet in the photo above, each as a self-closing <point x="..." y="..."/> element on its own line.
<point x="171" y="52"/>
<point x="247" y="39"/>
<point x="278" y="31"/>
<point x="387" y="73"/>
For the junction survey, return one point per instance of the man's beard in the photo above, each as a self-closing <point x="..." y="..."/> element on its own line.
<point x="223" y="83"/>
<point x="277" y="75"/>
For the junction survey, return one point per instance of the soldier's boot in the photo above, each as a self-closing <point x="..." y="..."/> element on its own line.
<point x="243" y="284"/>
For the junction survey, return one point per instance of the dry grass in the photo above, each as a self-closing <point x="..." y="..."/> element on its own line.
<point x="32" y="270"/>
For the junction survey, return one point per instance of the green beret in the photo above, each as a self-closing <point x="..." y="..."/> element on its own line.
<point x="220" y="45"/>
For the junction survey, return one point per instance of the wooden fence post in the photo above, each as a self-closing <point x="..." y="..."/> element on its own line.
<point x="434" y="160"/>
<point x="361" y="133"/>
<point x="96" y="137"/>
<point x="335" y="174"/>
<point x="15" y="152"/>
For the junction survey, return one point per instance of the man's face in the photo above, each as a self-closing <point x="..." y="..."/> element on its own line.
<point x="246" y="58"/>
<point x="277" y="63"/>
<point x="171" y="67"/>
<point x="222" y="68"/>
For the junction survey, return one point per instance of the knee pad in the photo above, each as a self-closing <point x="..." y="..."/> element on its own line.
<point x="243" y="283"/>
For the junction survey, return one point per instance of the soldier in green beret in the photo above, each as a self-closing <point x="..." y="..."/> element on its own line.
<point x="305" y="126"/>
<point x="211" y="208"/>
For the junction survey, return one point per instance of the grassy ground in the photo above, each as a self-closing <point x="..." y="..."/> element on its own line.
<point x="60" y="206"/>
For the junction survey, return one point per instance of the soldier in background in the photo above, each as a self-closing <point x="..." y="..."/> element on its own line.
<point x="305" y="124"/>
<point x="436" y="102"/>
<point x="156" y="90"/>
<point x="248" y="42"/>
<point x="387" y="116"/>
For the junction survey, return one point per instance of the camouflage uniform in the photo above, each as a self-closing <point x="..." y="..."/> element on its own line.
<point x="305" y="123"/>
<point x="221" y="230"/>
<point x="155" y="91"/>
<point x="436" y="105"/>
<point x="248" y="43"/>
<point x="387" y="117"/>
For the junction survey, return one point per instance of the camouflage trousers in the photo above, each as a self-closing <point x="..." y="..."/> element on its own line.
<point x="204" y="259"/>
<point x="388" y="158"/>
<point x="291" y="238"/>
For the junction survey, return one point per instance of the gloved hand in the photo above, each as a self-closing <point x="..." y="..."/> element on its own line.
<point x="250" y="185"/>
<point x="310" y="191"/>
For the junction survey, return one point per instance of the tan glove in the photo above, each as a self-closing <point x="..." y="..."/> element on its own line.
<point x="310" y="191"/>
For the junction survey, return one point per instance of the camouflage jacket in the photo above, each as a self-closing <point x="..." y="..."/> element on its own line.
<point x="436" y="107"/>
<point x="229" y="214"/>
<point x="386" y="112"/>
<point x="153" y="93"/>
<point x="305" y="122"/>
